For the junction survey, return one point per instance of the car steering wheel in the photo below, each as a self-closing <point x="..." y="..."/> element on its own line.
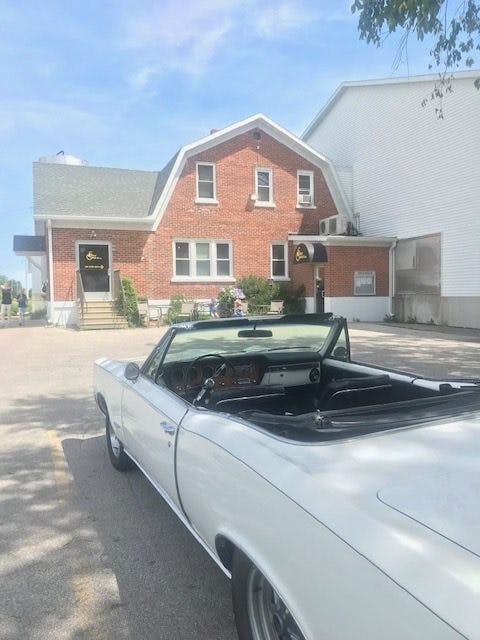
<point x="225" y="362"/>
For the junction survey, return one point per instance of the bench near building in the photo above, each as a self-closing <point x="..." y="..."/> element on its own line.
<point x="250" y="199"/>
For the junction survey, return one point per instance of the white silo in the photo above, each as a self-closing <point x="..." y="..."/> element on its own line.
<point x="62" y="158"/>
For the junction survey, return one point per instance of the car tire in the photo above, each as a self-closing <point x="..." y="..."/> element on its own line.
<point x="260" y="614"/>
<point x="119" y="459"/>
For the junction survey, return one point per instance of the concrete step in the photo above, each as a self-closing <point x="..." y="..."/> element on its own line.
<point x="99" y="315"/>
<point x="103" y="320"/>
<point x="96" y="306"/>
<point x="91" y="327"/>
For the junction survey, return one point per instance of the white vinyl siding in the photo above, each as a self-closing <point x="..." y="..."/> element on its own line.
<point x="412" y="174"/>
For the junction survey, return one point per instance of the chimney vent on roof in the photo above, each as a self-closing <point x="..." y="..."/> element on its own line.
<point x="212" y="131"/>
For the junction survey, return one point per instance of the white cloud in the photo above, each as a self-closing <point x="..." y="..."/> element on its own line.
<point x="141" y="77"/>
<point x="165" y="36"/>
<point x="282" y="18"/>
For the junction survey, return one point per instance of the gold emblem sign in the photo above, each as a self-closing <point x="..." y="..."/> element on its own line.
<point x="301" y="254"/>
<point x="310" y="252"/>
<point x="90" y="257"/>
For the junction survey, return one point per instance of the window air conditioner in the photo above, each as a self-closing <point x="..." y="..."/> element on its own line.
<point x="333" y="226"/>
<point x="341" y="225"/>
<point x="304" y="199"/>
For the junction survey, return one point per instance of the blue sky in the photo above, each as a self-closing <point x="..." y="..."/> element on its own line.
<point x="125" y="84"/>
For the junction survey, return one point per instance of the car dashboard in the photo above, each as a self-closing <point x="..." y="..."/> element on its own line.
<point x="286" y="369"/>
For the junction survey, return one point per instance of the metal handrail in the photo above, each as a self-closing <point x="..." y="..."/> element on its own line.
<point x="81" y="293"/>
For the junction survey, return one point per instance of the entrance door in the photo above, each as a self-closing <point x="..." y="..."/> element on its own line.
<point x="94" y="266"/>
<point x="319" y="296"/>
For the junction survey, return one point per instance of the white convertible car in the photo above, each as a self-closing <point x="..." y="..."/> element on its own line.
<point x="342" y="498"/>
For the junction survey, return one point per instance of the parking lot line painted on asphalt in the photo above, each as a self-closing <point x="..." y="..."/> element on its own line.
<point x="83" y="591"/>
<point x="60" y="471"/>
<point x="81" y="585"/>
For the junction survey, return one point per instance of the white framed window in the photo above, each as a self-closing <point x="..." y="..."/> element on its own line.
<point x="202" y="260"/>
<point x="305" y="189"/>
<point x="263" y="187"/>
<point x="364" y="283"/>
<point x="206" y="182"/>
<point x="279" y="260"/>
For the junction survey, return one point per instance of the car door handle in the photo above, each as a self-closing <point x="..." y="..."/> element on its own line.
<point x="168" y="428"/>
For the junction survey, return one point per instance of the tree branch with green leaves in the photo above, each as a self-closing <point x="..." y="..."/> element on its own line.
<point x="453" y="26"/>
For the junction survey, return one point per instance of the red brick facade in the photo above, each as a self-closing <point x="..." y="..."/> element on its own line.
<point x="147" y="257"/>
<point x="344" y="261"/>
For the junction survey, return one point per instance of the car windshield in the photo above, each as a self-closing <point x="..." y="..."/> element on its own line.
<point x="228" y="340"/>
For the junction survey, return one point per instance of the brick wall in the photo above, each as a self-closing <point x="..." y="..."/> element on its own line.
<point x="147" y="257"/>
<point x="127" y="250"/>
<point x="344" y="261"/>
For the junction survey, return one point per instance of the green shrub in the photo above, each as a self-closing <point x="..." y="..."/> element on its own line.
<point x="39" y="314"/>
<point x="293" y="298"/>
<point x="130" y="308"/>
<point x="259" y="291"/>
<point x="225" y="303"/>
<point x="175" y="308"/>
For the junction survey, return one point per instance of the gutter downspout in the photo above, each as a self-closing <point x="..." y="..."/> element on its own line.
<point x="50" y="269"/>
<point x="391" y="280"/>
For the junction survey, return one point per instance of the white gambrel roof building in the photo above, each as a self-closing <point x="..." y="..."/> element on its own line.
<point x="409" y="174"/>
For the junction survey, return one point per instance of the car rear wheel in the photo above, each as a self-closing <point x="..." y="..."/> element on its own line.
<point x="260" y="613"/>
<point x="116" y="452"/>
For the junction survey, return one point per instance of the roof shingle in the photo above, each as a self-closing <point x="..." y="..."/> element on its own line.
<point x="83" y="191"/>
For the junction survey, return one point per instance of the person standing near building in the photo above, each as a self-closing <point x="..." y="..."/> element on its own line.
<point x="213" y="308"/>
<point x="6" y="308"/>
<point x="238" y="308"/>
<point x="22" y="307"/>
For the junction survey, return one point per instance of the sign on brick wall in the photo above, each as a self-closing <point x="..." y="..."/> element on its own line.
<point x="310" y="252"/>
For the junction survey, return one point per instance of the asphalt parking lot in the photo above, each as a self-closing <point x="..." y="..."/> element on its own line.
<point x="86" y="552"/>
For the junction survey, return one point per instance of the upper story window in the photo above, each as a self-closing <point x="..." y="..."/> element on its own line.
<point x="206" y="186"/>
<point x="263" y="187"/>
<point x="279" y="256"/>
<point x="305" y="189"/>
<point x="202" y="260"/>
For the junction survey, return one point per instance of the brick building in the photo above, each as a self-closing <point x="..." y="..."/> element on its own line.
<point x="250" y="199"/>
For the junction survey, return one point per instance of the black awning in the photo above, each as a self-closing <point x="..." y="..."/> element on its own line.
<point x="309" y="252"/>
<point x="29" y="245"/>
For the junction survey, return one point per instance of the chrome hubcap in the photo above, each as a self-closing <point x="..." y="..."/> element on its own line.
<point x="114" y="441"/>
<point x="269" y="617"/>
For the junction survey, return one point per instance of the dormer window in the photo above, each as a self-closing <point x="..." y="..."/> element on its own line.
<point x="206" y="187"/>
<point x="305" y="189"/>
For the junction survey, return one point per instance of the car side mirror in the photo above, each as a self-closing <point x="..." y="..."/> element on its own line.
<point x="340" y="353"/>
<point x="132" y="371"/>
